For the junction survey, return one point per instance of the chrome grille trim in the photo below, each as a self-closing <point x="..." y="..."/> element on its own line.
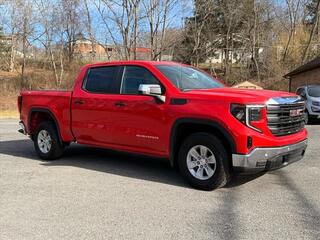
<point x="280" y="121"/>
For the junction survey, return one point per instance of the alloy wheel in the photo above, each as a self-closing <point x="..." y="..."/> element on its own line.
<point x="44" y="141"/>
<point x="201" y="162"/>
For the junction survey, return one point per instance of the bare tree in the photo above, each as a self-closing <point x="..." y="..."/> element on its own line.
<point x="157" y="18"/>
<point x="315" y="25"/>
<point x="229" y="20"/>
<point x="257" y="21"/>
<point x="196" y="30"/>
<point x="72" y="24"/>
<point x="88" y="24"/>
<point x="21" y="25"/>
<point x="50" y="21"/>
<point x="293" y="10"/>
<point x="13" y="33"/>
<point x="24" y="10"/>
<point x="253" y="38"/>
<point x="121" y="18"/>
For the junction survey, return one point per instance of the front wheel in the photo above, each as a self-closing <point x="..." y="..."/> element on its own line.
<point x="306" y="117"/>
<point x="46" y="142"/>
<point x="203" y="161"/>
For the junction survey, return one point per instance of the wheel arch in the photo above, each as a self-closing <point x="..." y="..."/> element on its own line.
<point x="184" y="127"/>
<point x="38" y="115"/>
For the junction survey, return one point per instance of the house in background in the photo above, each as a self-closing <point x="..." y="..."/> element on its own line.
<point x="85" y="49"/>
<point x="219" y="57"/>
<point x="143" y="53"/>
<point x="306" y="74"/>
<point x="247" y="85"/>
<point x="5" y="40"/>
<point x="235" y="56"/>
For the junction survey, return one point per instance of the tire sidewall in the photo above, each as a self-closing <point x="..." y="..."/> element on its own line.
<point x="220" y="176"/>
<point x="56" y="149"/>
<point x="307" y="117"/>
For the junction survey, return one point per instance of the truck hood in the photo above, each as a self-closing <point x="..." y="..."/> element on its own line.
<point x="239" y="95"/>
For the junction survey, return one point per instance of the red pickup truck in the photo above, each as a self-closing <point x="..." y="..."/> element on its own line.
<point x="169" y="110"/>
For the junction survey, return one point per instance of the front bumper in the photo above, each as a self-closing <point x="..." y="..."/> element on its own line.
<point x="261" y="159"/>
<point x="314" y="111"/>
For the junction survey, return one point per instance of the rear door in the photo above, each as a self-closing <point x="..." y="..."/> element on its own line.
<point x="93" y="105"/>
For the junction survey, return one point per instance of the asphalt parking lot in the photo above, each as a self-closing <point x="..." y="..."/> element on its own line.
<point x="98" y="194"/>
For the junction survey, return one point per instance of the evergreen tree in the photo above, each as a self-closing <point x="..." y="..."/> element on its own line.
<point x="217" y="25"/>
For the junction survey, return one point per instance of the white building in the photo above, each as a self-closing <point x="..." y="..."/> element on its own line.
<point x="235" y="56"/>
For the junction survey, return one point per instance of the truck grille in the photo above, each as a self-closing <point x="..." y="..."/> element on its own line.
<point x="285" y="118"/>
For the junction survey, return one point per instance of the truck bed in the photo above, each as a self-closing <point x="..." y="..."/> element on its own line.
<point x="57" y="102"/>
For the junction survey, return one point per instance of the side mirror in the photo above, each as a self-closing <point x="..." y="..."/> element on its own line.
<point x="152" y="90"/>
<point x="303" y="95"/>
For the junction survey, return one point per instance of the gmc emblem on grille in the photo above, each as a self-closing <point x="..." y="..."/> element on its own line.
<point x="296" y="112"/>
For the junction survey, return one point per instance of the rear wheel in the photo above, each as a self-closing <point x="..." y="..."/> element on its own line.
<point x="46" y="142"/>
<point x="203" y="161"/>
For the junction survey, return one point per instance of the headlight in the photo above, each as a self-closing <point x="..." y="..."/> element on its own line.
<point x="239" y="112"/>
<point x="247" y="114"/>
<point x="255" y="113"/>
<point x="316" y="103"/>
<point x="315" y="109"/>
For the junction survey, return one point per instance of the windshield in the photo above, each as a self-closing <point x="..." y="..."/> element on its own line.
<point x="188" y="78"/>
<point x="314" y="91"/>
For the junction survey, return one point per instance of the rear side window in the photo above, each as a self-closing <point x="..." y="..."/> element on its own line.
<point x="133" y="76"/>
<point x="103" y="80"/>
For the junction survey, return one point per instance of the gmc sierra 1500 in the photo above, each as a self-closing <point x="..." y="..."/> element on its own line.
<point x="169" y="110"/>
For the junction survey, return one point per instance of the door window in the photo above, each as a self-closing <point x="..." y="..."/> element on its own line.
<point x="103" y="80"/>
<point x="133" y="76"/>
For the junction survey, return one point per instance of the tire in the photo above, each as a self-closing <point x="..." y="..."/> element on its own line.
<point x="46" y="142"/>
<point x="307" y="118"/>
<point x="212" y="146"/>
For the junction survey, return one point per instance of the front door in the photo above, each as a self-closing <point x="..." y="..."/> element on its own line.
<point x="141" y="120"/>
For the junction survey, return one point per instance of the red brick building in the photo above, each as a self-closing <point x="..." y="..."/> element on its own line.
<point x="84" y="48"/>
<point x="306" y="74"/>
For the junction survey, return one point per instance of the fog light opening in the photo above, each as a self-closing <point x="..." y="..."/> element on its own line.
<point x="284" y="160"/>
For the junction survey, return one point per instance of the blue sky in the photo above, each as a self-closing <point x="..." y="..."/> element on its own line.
<point x="183" y="9"/>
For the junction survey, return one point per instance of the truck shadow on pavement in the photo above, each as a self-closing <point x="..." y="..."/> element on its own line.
<point x="307" y="211"/>
<point x="111" y="162"/>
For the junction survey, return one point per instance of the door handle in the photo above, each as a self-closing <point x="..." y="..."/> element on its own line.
<point x="79" y="102"/>
<point x="120" y="104"/>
